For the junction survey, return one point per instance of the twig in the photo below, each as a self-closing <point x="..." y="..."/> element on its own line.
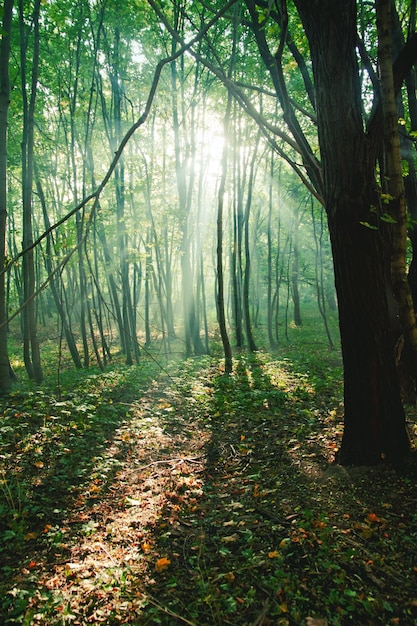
<point x="100" y="545"/>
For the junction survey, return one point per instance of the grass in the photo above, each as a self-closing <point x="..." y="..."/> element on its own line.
<point x="181" y="496"/>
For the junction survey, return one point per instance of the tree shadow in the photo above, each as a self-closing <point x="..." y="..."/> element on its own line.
<point x="214" y="501"/>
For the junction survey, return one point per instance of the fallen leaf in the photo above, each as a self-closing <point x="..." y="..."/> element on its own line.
<point x="132" y="502"/>
<point x="162" y="564"/>
<point x="316" y="621"/>
<point x="273" y="555"/>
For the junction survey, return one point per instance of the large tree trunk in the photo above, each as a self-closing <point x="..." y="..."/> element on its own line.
<point x="374" y="416"/>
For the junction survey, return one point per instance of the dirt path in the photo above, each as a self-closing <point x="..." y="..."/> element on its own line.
<point x="214" y="503"/>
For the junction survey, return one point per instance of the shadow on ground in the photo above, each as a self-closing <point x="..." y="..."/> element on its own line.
<point x="214" y="502"/>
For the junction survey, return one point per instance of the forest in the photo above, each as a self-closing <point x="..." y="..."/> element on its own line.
<point x="208" y="300"/>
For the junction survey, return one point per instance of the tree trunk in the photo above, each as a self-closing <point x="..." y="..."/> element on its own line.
<point x="31" y="351"/>
<point x="5" y="371"/>
<point x="295" y="267"/>
<point x="374" y="416"/>
<point x="247" y="273"/>
<point x="227" y="349"/>
<point x="393" y="180"/>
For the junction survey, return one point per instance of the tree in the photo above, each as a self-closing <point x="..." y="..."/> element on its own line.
<point x="30" y="340"/>
<point x="374" y="415"/>
<point x="5" y="371"/>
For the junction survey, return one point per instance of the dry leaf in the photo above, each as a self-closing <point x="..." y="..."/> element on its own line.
<point x="29" y="536"/>
<point x="230" y="538"/>
<point x="162" y="564"/>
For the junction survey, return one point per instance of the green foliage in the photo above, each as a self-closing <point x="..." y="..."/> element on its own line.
<point x="199" y="497"/>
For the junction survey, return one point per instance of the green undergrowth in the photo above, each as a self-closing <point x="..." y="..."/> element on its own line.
<point x="184" y="496"/>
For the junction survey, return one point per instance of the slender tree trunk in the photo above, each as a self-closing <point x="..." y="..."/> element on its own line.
<point x="318" y="270"/>
<point x="72" y="346"/>
<point x="31" y="351"/>
<point x="295" y="269"/>
<point x="5" y="369"/>
<point x="396" y="206"/>
<point x="247" y="274"/>
<point x="270" y="308"/>
<point x="238" y="220"/>
<point x="227" y="349"/>
<point x="193" y="343"/>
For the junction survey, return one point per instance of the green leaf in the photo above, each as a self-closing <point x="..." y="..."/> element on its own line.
<point x="386" y="198"/>
<point x="386" y="217"/>
<point x="368" y="225"/>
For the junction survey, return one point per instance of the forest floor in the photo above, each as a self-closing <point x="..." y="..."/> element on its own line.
<point x="188" y="497"/>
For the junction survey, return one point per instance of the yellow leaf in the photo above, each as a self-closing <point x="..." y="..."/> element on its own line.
<point x="230" y="577"/>
<point x="38" y="464"/>
<point x="146" y="546"/>
<point x="162" y="564"/>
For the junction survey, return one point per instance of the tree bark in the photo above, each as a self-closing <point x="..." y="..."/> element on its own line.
<point x="374" y="416"/>
<point x="393" y="184"/>
<point x="5" y="370"/>
<point x="31" y="350"/>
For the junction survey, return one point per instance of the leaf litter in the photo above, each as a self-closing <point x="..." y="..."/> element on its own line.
<point x="203" y="500"/>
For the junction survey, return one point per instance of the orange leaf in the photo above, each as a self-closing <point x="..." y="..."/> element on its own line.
<point x="162" y="564"/>
<point x="273" y="555"/>
<point x="373" y="519"/>
<point x="38" y="464"/>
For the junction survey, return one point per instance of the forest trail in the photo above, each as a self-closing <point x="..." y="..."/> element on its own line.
<point x="214" y="501"/>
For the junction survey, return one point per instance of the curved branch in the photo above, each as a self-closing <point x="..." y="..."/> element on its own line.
<point x="95" y="195"/>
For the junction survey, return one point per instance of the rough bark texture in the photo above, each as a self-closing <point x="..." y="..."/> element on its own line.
<point x="374" y="416"/>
